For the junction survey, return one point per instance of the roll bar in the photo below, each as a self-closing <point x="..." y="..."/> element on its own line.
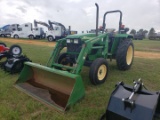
<point x="120" y="20"/>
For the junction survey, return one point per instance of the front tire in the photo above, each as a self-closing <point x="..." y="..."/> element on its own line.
<point x="98" y="71"/>
<point x="63" y="60"/>
<point x="125" y="55"/>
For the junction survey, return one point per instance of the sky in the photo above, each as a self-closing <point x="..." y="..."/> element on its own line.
<point x="81" y="14"/>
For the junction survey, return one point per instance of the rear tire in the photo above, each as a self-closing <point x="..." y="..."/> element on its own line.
<point x="1" y="43"/>
<point x="15" y="50"/>
<point x="31" y="37"/>
<point x="50" y="39"/>
<point x="2" y="35"/>
<point x="16" y="36"/>
<point x="98" y="71"/>
<point x="125" y="55"/>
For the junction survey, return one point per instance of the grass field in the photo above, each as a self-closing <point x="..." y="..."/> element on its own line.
<point x="147" y="45"/>
<point x="15" y="105"/>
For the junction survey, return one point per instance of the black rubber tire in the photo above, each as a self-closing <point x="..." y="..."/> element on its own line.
<point x="16" y="36"/>
<point x="31" y="37"/>
<point x="61" y="57"/>
<point x="1" y="43"/>
<point x="9" y="35"/>
<point x="17" y="67"/>
<point x="11" y="50"/>
<point x="2" y="35"/>
<point x="50" y="38"/>
<point x="122" y="54"/>
<point x="93" y="73"/>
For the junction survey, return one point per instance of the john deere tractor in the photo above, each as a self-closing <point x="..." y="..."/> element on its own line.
<point x="59" y="84"/>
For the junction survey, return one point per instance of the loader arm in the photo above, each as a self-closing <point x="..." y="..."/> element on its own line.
<point x="59" y="46"/>
<point x="87" y="47"/>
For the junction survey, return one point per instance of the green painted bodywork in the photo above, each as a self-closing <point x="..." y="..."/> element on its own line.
<point x="91" y="42"/>
<point x="68" y="82"/>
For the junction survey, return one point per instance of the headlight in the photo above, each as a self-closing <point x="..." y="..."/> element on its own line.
<point x="68" y="41"/>
<point x="76" y="41"/>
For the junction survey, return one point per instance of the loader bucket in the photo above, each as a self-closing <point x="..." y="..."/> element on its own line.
<point x="145" y="105"/>
<point x="56" y="88"/>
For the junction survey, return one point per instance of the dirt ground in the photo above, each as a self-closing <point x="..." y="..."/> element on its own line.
<point x="139" y="54"/>
<point x="32" y="42"/>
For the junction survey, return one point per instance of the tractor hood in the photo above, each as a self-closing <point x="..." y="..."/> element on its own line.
<point x="82" y="36"/>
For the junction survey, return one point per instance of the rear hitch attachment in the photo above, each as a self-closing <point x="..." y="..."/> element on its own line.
<point x="132" y="103"/>
<point x="129" y="101"/>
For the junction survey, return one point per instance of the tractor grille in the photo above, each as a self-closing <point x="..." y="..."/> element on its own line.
<point x="74" y="47"/>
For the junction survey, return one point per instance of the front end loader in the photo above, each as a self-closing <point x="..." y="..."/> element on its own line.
<point x="59" y="83"/>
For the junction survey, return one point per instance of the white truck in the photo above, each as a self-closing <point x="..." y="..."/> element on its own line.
<point x="26" y="31"/>
<point x="41" y="23"/>
<point x="55" y="32"/>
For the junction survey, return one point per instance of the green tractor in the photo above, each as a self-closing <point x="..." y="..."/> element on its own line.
<point x="59" y="84"/>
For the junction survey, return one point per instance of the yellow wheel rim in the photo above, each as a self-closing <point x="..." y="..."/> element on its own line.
<point x="129" y="56"/>
<point x="102" y="71"/>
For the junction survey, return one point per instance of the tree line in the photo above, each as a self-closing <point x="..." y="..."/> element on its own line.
<point x="142" y="32"/>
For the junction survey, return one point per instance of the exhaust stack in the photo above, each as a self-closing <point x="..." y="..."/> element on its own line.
<point x="97" y="17"/>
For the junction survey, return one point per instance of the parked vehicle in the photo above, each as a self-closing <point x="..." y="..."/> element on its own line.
<point x="26" y="31"/>
<point x="56" y="32"/>
<point x="7" y="30"/>
<point x="42" y="34"/>
<point x="155" y="36"/>
<point x="138" y="37"/>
